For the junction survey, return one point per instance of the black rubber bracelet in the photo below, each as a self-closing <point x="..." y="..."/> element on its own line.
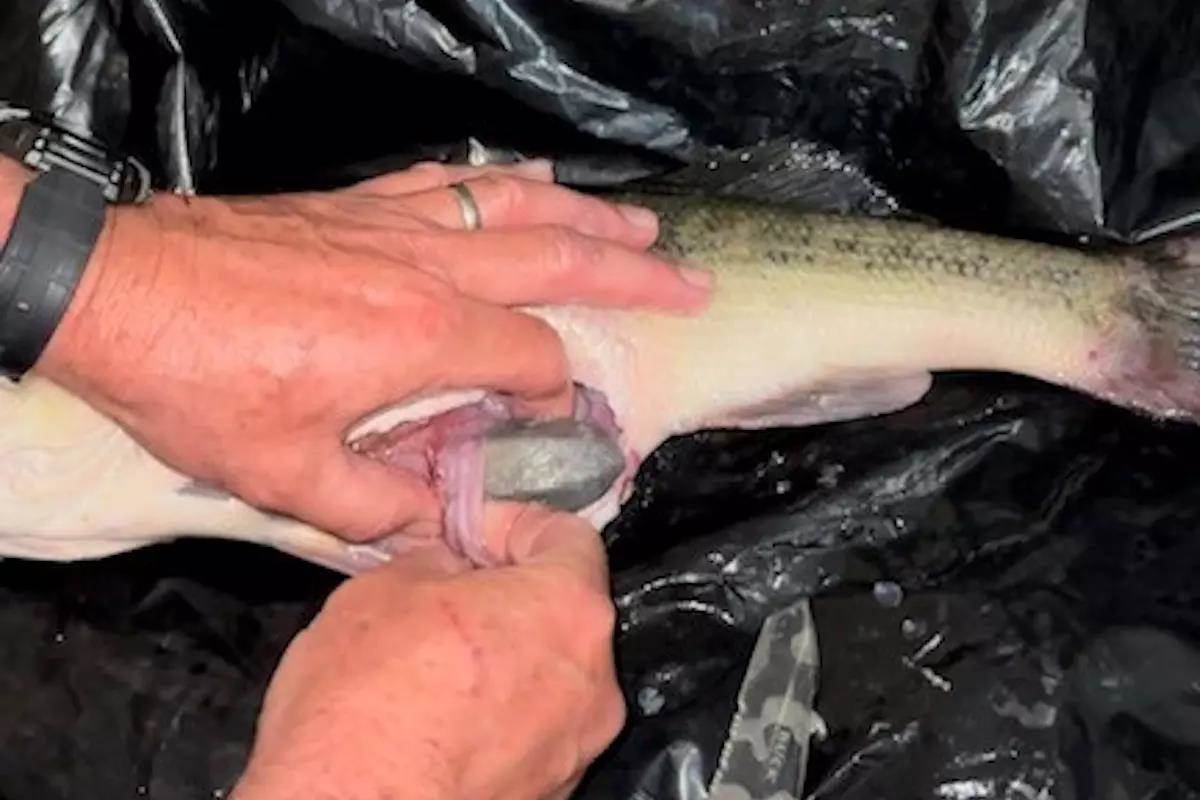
<point x="56" y="227"/>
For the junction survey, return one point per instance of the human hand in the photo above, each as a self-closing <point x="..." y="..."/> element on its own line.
<point x="240" y="340"/>
<point x="427" y="680"/>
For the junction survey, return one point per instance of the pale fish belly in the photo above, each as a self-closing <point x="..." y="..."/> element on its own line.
<point x="74" y="485"/>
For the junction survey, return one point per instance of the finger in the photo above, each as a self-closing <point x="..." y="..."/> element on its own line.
<point x="508" y="352"/>
<point x="361" y="500"/>
<point x="534" y="535"/>
<point x="432" y="175"/>
<point x="508" y="202"/>
<point x="556" y="265"/>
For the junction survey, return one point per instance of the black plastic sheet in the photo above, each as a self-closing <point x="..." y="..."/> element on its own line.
<point x="1003" y="577"/>
<point x="1004" y="584"/>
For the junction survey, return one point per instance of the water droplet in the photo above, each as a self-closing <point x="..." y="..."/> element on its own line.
<point x="899" y="522"/>
<point x="712" y="165"/>
<point x="913" y="628"/>
<point x="60" y="637"/>
<point x="142" y="789"/>
<point x="888" y="593"/>
<point x="650" y="700"/>
<point x="783" y="487"/>
<point x="744" y="157"/>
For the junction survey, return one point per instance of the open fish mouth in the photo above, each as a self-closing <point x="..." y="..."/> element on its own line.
<point x="482" y="451"/>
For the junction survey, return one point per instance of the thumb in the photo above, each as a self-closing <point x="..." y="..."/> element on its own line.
<point x="535" y="535"/>
<point x="359" y="499"/>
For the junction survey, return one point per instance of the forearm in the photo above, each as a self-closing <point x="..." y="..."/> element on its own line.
<point x="113" y="285"/>
<point x="103" y="329"/>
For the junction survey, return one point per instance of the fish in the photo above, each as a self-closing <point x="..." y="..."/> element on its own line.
<point x="814" y="319"/>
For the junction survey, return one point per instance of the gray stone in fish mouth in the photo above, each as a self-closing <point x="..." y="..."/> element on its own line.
<point x="565" y="464"/>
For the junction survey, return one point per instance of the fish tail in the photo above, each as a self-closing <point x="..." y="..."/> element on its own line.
<point x="1155" y="363"/>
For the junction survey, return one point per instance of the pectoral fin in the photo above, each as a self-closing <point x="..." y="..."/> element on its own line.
<point x="854" y="397"/>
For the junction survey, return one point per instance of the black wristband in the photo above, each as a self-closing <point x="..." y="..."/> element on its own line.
<point x="58" y="221"/>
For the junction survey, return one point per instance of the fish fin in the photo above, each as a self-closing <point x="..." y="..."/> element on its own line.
<point x="1152" y="361"/>
<point x="852" y="397"/>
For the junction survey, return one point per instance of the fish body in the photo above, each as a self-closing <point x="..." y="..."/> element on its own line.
<point x="819" y="318"/>
<point x="808" y="305"/>
<point x="813" y="319"/>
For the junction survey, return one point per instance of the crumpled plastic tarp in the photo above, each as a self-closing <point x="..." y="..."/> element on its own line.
<point x="1002" y="578"/>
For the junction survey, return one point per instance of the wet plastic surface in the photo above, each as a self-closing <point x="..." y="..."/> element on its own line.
<point x="1003" y="576"/>
<point x="985" y="566"/>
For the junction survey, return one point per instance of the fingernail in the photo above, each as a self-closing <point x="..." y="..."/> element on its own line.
<point x="641" y="217"/>
<point x="700" y="278"/>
